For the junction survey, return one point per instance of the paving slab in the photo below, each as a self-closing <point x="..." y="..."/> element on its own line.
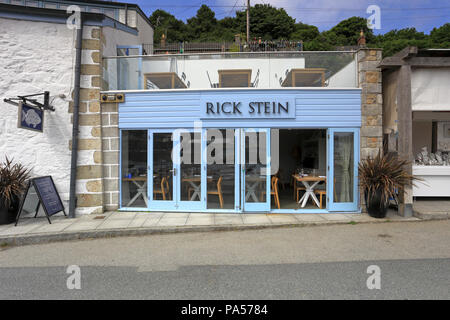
<point x="83" y="225"/>
<point x="334" y="217"/>
<point x="56" y="226"/>
<point x="139" y="220"/>
<point x="282" y="218"/>
<point x="311" y="217"/>
<point x="431" y="215"/>
<point x="122" y="216"/>
<point x="200" y="221"/>
<point x="228" y="219"/>
<point x="151" y="221"/>
<point x="20" y="229"/>
<point x="114" y="224"/>
<point x="249" y="218"/>
<point x="172" y="221"/>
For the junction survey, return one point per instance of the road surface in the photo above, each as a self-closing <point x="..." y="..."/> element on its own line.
<point x="315" y="262"/>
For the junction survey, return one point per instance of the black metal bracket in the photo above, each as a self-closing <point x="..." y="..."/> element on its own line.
<point x="33" y="102"/>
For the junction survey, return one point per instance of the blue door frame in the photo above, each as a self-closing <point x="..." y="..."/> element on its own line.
<point x="186" y="204"/>
<point x="160" y="204"/>
<point x="332" y="203"/>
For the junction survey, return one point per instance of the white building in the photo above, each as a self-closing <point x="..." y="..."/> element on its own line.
<point x="37" y="54"/>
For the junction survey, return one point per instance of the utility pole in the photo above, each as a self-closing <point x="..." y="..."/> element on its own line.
<point x="248" y="21"/>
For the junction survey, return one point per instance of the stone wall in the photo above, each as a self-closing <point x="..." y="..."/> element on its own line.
<point x="89" y="167"/>
<point x="111" y="147"/>
<point x="369" y="80"/>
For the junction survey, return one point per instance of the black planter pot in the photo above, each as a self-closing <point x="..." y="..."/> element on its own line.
<point x="375" y="206"/>
<point x="8" y="214"/>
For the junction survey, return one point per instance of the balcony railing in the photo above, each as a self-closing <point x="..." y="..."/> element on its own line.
<point x="267" y="70"/>
<point x="210" y="47"/>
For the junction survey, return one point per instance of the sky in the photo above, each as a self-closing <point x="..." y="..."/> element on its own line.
<point x="394" y="14"/>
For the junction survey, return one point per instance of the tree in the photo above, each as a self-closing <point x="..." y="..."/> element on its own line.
<point x="266" y="22"/>
<point x="203" y="26"/>
<point x="347" y="32"/>
<point x="165" y="23"/>
<point x="304" y="32"/>
<point x="441" y="36"/>
<point x="272" y="23"/>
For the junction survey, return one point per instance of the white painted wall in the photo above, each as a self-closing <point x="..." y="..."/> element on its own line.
<point x="430" y="89"/>
<point x="346" y="77"/>
<point x="37" y="57"/>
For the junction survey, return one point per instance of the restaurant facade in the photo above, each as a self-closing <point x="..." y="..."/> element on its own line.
<point x="248" y="132"/>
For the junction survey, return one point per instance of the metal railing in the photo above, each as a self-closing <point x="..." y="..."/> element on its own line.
<point x="211" y="47"/>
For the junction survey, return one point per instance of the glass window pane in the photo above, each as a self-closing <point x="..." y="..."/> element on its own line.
<point x="255" y="166"/>
<point x="343" y="166"/>
<point x="134" y="168"/>
<point x="162" y="166"/>
<point x="190" y="165"/>
<point x="220" y="146"/>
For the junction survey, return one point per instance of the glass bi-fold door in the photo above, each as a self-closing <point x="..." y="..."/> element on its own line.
<point x="255" y="168"/>
<point x="343" y="158"/>
<point x="175" y="169"/>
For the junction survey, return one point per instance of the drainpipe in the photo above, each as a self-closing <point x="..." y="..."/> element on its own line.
<point x="76" y="107"/>
<point x="126" y="14"/>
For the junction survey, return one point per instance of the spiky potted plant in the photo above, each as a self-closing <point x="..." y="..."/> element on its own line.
<point x="379" y="178"/>
<point x="13" y="181"/>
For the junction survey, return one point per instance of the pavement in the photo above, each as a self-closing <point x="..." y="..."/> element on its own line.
<point x="431" y="209"/>
<point x="112" y="224"/>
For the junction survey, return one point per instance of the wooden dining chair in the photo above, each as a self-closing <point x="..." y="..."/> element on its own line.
<point x="273" y="191"/>
<point x="164" y="189"/>
<point x="218" y="192"/>
<point x="323" y="192"/>
<point x="297" y="188"/>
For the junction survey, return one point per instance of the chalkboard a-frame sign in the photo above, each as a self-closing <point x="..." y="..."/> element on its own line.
<point x="48" y="197"/>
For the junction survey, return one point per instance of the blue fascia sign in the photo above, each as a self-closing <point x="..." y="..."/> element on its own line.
<point x="247" y="108"/>
<point x="30" y="118"/>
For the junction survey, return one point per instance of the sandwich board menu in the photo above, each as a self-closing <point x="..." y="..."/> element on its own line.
<point x="47" y="194"/>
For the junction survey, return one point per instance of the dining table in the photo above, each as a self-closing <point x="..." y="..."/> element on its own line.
<point x="196" y="183"/>
<point x="310" y="183"/>
<point x="141" y="183"/>
<point x="252" y="183"/>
